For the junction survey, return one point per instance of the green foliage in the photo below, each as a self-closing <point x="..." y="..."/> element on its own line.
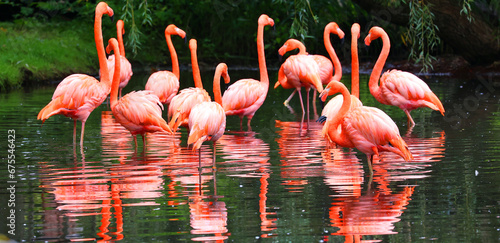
<point x="467" y="9"/>
<point x="299" y="11"/>
<point x="422" y="34"/>
<point x="42" y="52"/>
<point x="129" y="16"/>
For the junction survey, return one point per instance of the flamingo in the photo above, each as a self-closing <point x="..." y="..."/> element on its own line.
<point x="182" y="103"/>
<point x="207" y="120"/>
<point x="79" y="94"/>
<point x="138" y="111"/>
<point x="325" y="65"/>
<point x="368" y="129"/>
<point x="126" y="68"/>
<point x="165" y="84"/>
<point x="332" y="108"/>
<point x="244" y="97"/>
<point x="398" y="88"/>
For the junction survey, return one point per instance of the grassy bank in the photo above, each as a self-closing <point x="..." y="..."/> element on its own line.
<point x="32" y="51"/>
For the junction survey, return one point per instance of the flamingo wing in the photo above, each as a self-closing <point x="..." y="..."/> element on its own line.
<point x="244" y="97"/>
<point x="140" y="111"/>
<point x="181" y="105"/>
<point x="325" y="68"/>
<point x="207" y="122"/>
<point x="164" y="84"/>
<point x="76" y="96"/>
<point x="407" y="91"/>
<point x="302" y="71"/>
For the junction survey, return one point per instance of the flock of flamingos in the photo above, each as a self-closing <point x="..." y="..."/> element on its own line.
<point x="347" y="122"/>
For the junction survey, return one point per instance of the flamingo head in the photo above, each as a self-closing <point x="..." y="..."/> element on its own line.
<point x="112" y="43"/>
<point x="355" y="29"/>
<point x="103" y="8"/>
<point x="193" y="44"/>
<point x="333" y="28"/>
<point x="121" y="26"/>
<point x="332" y="88"/>
<point x="374" y="33"/>
<point x="173" y="30"/>
<point x="399" y="147"/>
<point x="224" y="73"/>
<point x="292" y="44"/>
<point x="265" y="20"/>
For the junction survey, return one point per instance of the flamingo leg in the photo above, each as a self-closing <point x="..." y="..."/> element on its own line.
<point x="249" y="119"/>
<point x="314" y="105"/>
<point x="213" y="159"/>
<point x="135" y="141"/>
<point x="287" y="101"/>
<point x="74" y="132"/>
<point x="120" y="95"/>
<point x="411" y="123"/>
<point x="143" y="140"/>
<point x="199" y="168"/>
<point x="83" y="131"/>
<point x="307" y="100"/>
<point x="370" y="166"/>
<point x="241" y="123"/>
<point x="303" y="112"/>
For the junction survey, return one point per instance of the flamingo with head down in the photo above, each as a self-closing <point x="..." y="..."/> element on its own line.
<point x="138" y="111"/>
<point x="79" y="94"/>
<point x="368" y="129"/>
<point x="398" y="88"/>
<point x="165" y="84"/>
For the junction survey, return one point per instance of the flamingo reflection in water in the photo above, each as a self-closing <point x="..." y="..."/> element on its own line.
<point x="248" y="156"/>
<point x="300" y="154"/>
<point x="91" y="189"/>
<point x="376" y="210"/>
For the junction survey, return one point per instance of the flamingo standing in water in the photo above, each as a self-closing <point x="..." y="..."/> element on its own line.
<point x="138" y="111"/>
<point x="368" y="129"/>
<point x="182" y="103"/>
<point x="126" y="68"/>
<point x="325" y="65"/>
<point x="165" y="84"/>
<point x="79" y="94"/>
<point x="207" y="120"/>
<point x="244" y="97"/>
<point x="332" y="108"/>
<point x="398" y="88"/>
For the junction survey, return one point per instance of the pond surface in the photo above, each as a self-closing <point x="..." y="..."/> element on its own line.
<point x="276" y="183"/>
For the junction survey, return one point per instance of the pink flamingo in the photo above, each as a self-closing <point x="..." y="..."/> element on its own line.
<point x="325" y="65"/>
<point x="165" y="84"/>
<point x="126" y="68"/>
<point x="207" y="120"/>
<point x="332" y="108"/>
<point x="368" y="129"/>
<point x="182" y="103"/>
<point x="398" y="88"/>
<point x="244" y="97"/>
<point x="79" y="94"/>
<point x="138" y="111"/>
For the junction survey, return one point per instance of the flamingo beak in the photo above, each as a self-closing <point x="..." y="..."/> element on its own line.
<point x="324" y="94"/>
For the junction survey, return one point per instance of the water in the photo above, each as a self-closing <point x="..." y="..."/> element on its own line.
<point x="276" y="183"/>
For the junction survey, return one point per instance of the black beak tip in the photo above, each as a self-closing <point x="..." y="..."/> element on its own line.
<point x="112" y="17"/>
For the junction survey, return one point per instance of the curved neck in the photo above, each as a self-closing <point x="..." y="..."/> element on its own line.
<point x="379" y="65"/>
<point x="336" y="62"/>
<point x="194" y="65"/>
<point x="103" y="66"/>
<point x="262" y="58"/>
<point x="294" y="44"/>
<point x="120" y="31"/>
<point x="219" y="71"/>
<point x="346" y="104"/>
<point x="173" y="55"/>
<point x="354" y="63"/>
<point x="113" y="96"/>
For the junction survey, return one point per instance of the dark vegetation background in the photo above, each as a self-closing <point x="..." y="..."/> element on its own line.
<point x="43" y="41"/>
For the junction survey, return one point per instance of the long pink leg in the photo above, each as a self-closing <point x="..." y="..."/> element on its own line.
<point x="303" y="112"/>
<point x="213" y="159"/>
<point x="83" y="131"/>
<point x="411" y="123"/>
<point x="307" y="90"/>
<point x="249" y="119"/>
<point x="287" y="101"/>
<point x="74" y="131"/>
